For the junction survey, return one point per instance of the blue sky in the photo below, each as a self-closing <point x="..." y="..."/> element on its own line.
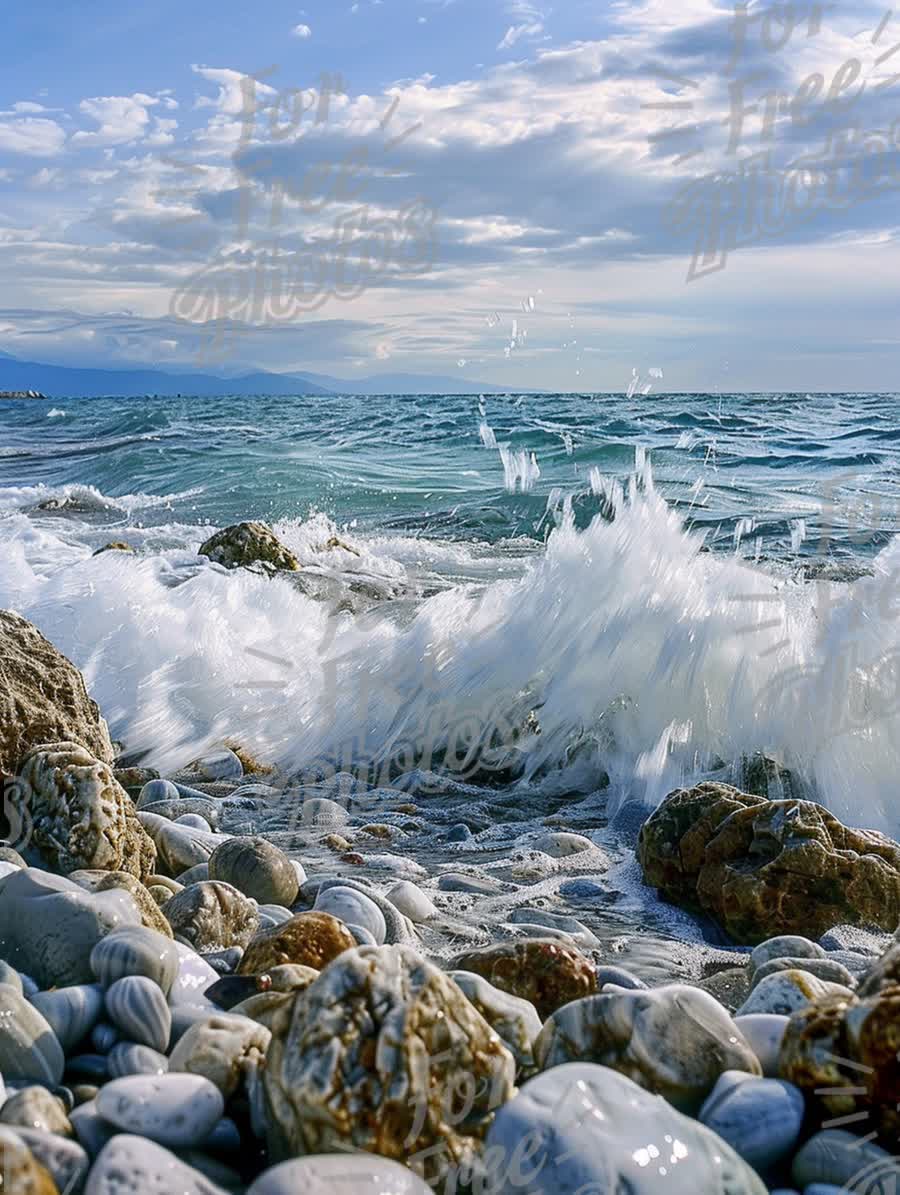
<point x="492" y="192"/>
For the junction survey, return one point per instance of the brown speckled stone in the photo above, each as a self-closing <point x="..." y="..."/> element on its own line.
<point x="309" y="939"/>
<point x="540" y="970"/>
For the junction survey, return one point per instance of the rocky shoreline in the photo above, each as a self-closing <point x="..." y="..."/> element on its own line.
<point x="214" y="982"/>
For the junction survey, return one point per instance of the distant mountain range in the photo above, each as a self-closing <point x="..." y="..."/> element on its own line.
<point x="61" y="381"/>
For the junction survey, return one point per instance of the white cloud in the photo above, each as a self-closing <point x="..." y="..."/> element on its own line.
<point x="32" y="135"/>
<point x="28" y="106"/>
<point x="529" y="23"/>
<point x="301" y="31"/>
<point x="234" y="89"/>
<point x="123" y="119"/>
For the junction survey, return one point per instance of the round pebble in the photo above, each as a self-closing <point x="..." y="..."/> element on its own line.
<point x="759" y="1118"/>
<point x="127" y="1058"/>
<point x="784" y="946"/>
<point x="135" y="950"/>
<point x="132" y="1165"/>
<point x="764" y="1031"/>
<point x="257" y="868"/>
<point x="71" y="1012"/>
<point x="138" y="1009"/>
<point x="176" y="1110"/>
<point x="353" y="908"/>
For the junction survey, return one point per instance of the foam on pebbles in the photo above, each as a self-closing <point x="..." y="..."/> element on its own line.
<point x="133" y="1164"/>
<point x="175" y="1110"/>
<point x="584" y="1128"/>
<point x="339" y="1175"/>
<point x="138" y="1008"/>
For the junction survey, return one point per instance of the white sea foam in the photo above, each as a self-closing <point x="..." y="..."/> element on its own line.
<point x="642" y="654"/>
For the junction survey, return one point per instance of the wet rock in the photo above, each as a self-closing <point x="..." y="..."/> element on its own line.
<point x="134" y="1164"/>
<point x="842" y="1052"/>
<point x="64" y="1160"/>
<point x="250" y="545"/>
<point x="515" y="1021"/>
<point x="136" y="950"/>
<point x="175" y="1110"/>
<point x="22" y="1172"/>
<point x="837" y="1157"/>
<point x="309" y="939"/>
<point x="339" y="1175"/>
<point x="412" y="901"/>
<point x="452" y="881"/>
<point x="43" y="698"/>
<point x="545" y="973"/>
<point x="354" y="908"/>
<point x="29" y="1048"/>
<point x="764" y="1033"/>
<point x="620" y="978"/>
<point x="673" y="840"/>
<point x="115" y="545"/>
<point x="570" y="926"/>
<point x="758" y="865"/>
<point x="212" y="916"/>
<point x="193" y="977"/>
<point x="827" y="969"/>
<point x="222" y="1049"/>
<point x="36" y="1108"/>
<point x="786" y="946"/>
<point x="127" y="1058"/>
<point x="138" y="1009"/>
<point x="49" y="926"/>
<point x="674" y="1041"/>
<point x="367" y="1058"/>
<point x="584" y="1128"/>
<point x="71" y="1012"/>
<point x="785" y="991"/>
<point x="179" y="848"/>
<point x="83" y="819"/>
<point x="760" y="1119"/>
<point x="104" y="881"/>
<point x="256" y="868"/>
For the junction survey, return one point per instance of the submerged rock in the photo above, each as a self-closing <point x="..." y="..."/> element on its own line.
<point x="82" y="818"/>
<point x="309" y="940"/>
<point x="674" y="1041"/>
<point x="582" y="1128"/>
<point x="374" y="1055"/>
<point x="43" y="698"/>
<point x="760" y="866"/>
<point x="544" y="972"/>
<point x="248" y="545"/>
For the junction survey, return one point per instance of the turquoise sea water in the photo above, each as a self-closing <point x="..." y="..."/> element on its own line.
<point x="662" y="582"/>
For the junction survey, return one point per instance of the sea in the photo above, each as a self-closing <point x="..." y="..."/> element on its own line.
<point x="581" y="599"/>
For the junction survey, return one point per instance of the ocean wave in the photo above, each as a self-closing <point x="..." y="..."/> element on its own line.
<point x="623" y="649"/>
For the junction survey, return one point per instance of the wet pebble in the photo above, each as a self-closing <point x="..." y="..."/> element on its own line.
<point x="64" y="1159"/>
<point x="784" y="946"/>
<point x="36" y="1108"/>
<point x="411" y="901"/>
<point x="71" y="1012"/>
<point x="787" y="991"/>
<point x="764" y="1031"/>
<point x="127" y="1058"/>
<point x="353" y="908"/>
<point x="452" y="881"/>
<point x="341" y="1174"/>
<point x="138" y="1009"/>
<point x="257" y="868"/>
<point x="135" y="950"/>
<point x="760" y="1119"/>
<point x="134" y="1164"/>
<point x="29" y="1049"/>
<point x="175" y="1110"/>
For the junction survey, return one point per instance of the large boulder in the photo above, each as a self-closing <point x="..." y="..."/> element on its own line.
<point x="384" y="1053"/>
<point x="769" y="867"/>
<point x="49" y="926"/>
<point x="43" y="698"/>
<point x="250" y="545"/>
<point x="82" y="818"/>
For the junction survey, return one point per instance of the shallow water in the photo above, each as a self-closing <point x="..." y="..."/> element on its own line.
<point x="686" y="580"/>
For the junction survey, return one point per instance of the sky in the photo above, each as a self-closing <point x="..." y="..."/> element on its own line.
<point x="562" y="197"/>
